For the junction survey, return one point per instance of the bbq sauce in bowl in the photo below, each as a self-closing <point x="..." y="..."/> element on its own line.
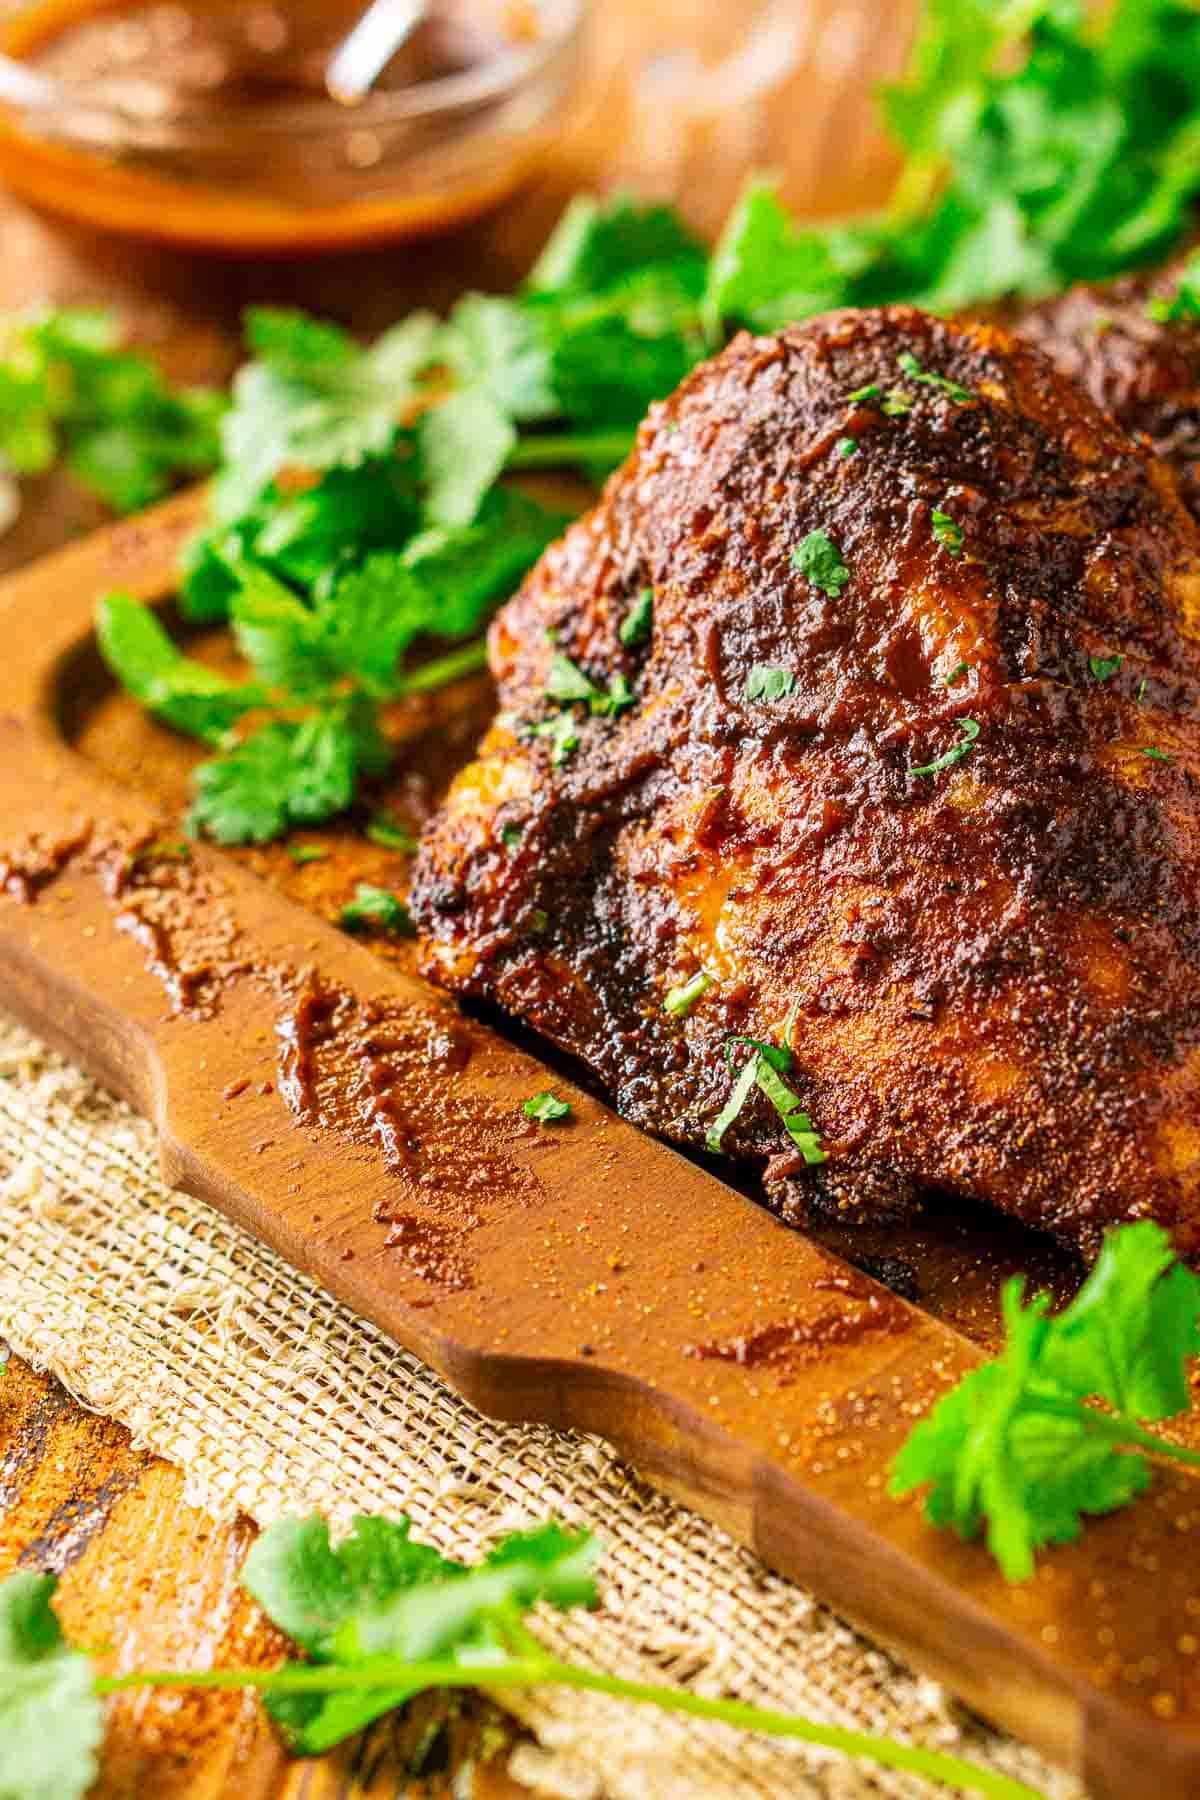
<point x="208" y="124"/>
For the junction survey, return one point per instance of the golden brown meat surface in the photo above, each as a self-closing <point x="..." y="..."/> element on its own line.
<point x="992" y="971"/>
<point x="1143" y="370"/>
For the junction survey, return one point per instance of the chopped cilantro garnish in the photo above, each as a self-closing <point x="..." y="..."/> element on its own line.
<point x="911" y="367"/>
<point x="567" y="683"/>
<point x="872" y="391"/>
<point x="846" y="446"/>
<point x="635" y="627"/>
<point x="306" y="853"/>
<point x="385" y="832"/>
<point x="896" y="403"/>
<point x="1158" y="755"/>
<point x="764" y="1069"/>
<point x="510" y="836"/>
<point x="766" y="683"/>
<point x="1104" y="666"/>
<point x="818" y="559"/>
<point x="563" y="733"/>
<point x="376" y="906"/>
<point x="680" y="1000"/>
<point x="546" y="1108"/>
<point x="948" y="532"/>
<point x="1141" y="693"/>
<point x="970" y="731"/>
<point x="956" y="674"/>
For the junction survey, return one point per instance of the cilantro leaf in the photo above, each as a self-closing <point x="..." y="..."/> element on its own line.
<point x="499" y="344"/>
<point x="378" y="1595"/>
<point x="606" y="373"/>
<point x="567" y="683"/>
<point x="966" y="743"/>
<point x="309" y="1588"/>
<point x="357" y="628"/>
<point x="1103" y="667"/>
<point x="66" y="387"/>
<point x="926" y="378"/>
<point x="435" y="1619"/>
<point x="596" y="243"/>
<point x="563" y="734"/>
<point x="50" y="1717"/>
<point x="376" y="906"/>
<point x="463" y="571"/>
<point x="947" y="531"/>
<point x="389" y="835"/>
<point x="546" y="1108"/>
<point x="820" y="561"/>
<point x="766" y="271"/>
<point x="296" y="345"/>
<point x="1125" y="1334"/>
<point x="679" y="1001"/>
<point x="194" y="699"/>
<point x="314" y="400"/>
<point x="288" y="773"/>
<point x="465" y="443"/>
<point x="764" y="683"/>
<point x="636" y="626"/>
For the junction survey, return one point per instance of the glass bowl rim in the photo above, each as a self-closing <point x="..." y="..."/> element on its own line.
<point x="499" y="78"/>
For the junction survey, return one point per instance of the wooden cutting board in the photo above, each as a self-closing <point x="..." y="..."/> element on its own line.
<point x="582" y="1276"/>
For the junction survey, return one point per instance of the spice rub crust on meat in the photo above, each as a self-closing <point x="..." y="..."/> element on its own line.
<point x="876" y="544"/>
<point x="1122" y="344"/>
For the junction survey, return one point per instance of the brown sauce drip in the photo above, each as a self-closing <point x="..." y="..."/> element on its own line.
<point x="803" y="1340"/>
<point x="378" y="1074"/>
<point x="177" y="912"/>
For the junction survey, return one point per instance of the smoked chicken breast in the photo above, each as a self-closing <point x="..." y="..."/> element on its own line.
<point x="861" y="718"/>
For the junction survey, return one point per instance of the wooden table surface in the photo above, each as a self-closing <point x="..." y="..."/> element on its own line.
<point x="669" y="108"/>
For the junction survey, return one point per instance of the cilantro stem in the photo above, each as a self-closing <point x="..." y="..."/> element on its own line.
<point x="1120" y="1428"/>
<point x="553" y="451"/>
<point x="534" y="1671"/>
<point x="444" y="669"/>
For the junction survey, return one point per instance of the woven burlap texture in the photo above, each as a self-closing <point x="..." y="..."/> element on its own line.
<point x="153" y="1309"/>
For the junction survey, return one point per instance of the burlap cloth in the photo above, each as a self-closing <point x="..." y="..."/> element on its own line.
<point x="152" y="1309"/>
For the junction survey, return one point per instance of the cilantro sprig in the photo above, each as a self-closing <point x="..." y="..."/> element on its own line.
<point x="1031" y="161"/>
<point x="69" y="389"/>
<point x="380" y="1618"/>
<point x="1018" y="1451"/>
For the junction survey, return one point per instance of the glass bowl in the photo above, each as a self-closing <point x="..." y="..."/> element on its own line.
<point x="248" y="165"/>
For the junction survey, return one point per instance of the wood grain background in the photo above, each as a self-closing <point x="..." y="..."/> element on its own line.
<point x="670" y="107"/>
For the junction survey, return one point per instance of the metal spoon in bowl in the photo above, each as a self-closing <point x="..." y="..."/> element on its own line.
<point x="366" y="51"/>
